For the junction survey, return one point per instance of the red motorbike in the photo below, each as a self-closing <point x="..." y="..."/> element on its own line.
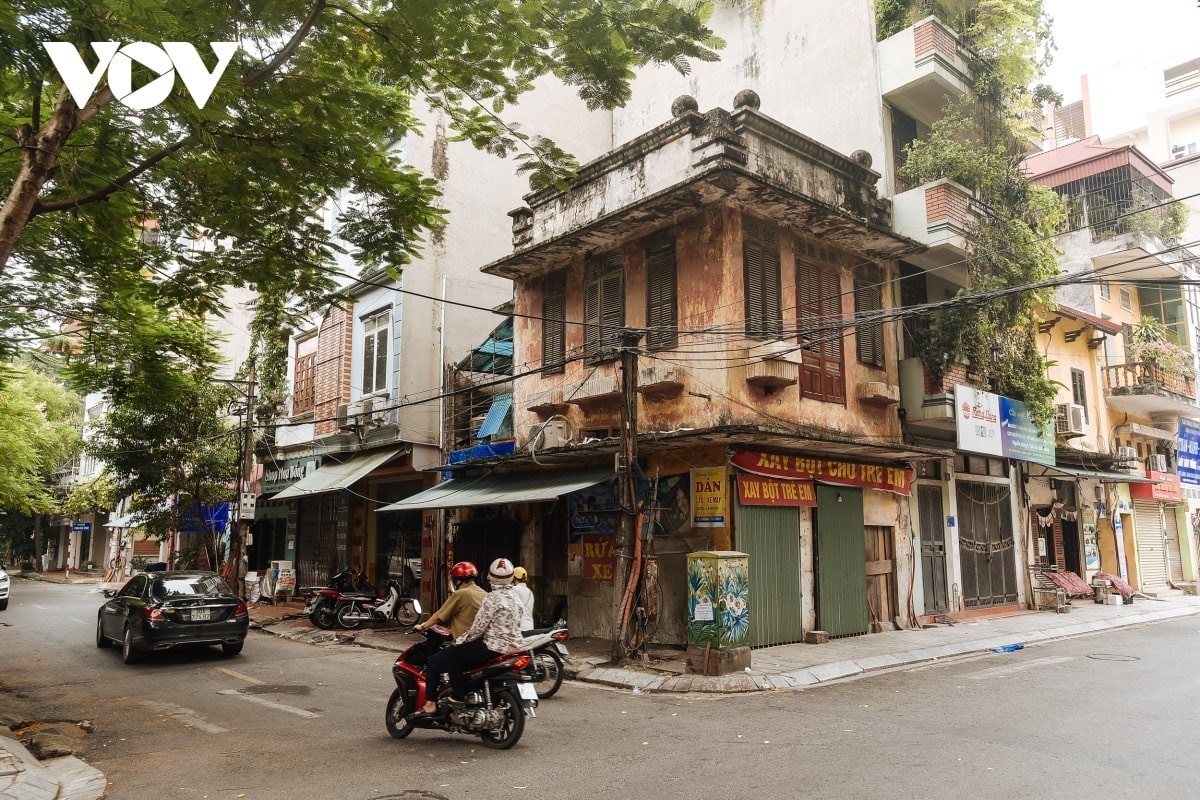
<point x="500" y="694"/>
<point x="324" y="601"/>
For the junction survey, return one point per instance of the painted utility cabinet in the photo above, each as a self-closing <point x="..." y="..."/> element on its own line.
<point x="718" y="611"/>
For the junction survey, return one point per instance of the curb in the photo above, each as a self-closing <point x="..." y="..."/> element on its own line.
<point x="65" y="778"/>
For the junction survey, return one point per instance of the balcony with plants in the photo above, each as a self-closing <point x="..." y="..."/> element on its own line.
<point x="1158" y="376"/>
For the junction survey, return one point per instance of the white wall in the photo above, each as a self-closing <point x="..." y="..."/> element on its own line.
<point x="812" y="62"/>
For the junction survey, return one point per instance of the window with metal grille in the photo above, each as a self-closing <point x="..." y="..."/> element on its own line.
<point x="819" y="313"/>
<point x="868" y="302"/>
<point x="760" y="264"/>
<point x="661" y="315"/>
<point x="376" y="331"/>
<point x="603" y="304"/>
<point x="554" y="304"/>
<point x="1079" y="390"/>
<point x="304" y="385"/>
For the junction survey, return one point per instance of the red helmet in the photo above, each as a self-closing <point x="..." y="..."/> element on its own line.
<point x="463" y="570"/>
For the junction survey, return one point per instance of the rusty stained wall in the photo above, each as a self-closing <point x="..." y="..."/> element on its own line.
<point x="715" y="391"/>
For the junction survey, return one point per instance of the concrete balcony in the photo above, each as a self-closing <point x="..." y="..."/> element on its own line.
<point x="927" y="405"/>
<point x="938" y="215"/>
<point x="1145" y="390"/>
<point x="920" y="67"/>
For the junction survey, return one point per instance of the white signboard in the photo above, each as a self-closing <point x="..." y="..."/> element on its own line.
<point x="978" y="416"/>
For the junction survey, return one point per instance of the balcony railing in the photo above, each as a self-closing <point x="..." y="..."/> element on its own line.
<point x="1136" y="378"/>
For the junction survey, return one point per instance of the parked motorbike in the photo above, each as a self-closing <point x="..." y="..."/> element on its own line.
<point x="548" y="651"/>
<point x="354" y="611"/>
<point x="500" y="694"/>
<point x="322" y="603"/>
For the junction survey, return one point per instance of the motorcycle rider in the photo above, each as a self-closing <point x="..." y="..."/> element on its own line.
<point x="463" y="603"/>
<point x="520" y="577"/>
<point x="495" y="631"/>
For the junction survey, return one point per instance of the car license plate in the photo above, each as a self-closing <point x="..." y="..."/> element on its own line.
<point x="527" y="691"/>
<point x="562" y="648"/>
<point x="201" y="614"/>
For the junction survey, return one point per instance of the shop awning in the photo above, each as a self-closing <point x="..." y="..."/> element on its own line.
<point x="490" y="490"/>
<point x="332" y="476"/>
<point x="1088" y="474"/>
<point x="122" y="521"/>
<point x="495" y="416"/>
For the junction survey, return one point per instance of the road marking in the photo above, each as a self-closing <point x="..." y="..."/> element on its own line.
<point x="79" y="621"/>
<point x="238" y="675"/>
<point x="35" y="605"/>
<point x="1008" y="669"/>
<point x="262" y="701"/>
<point x="185" y="715"/>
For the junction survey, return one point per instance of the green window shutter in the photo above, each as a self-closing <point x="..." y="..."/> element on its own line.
<point x="661" y="313"/>
<point x="554" y="301"/>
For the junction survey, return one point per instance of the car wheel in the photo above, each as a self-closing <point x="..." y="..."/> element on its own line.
<point x="129" y="653"/>
<point x="4" y="604"/>
<point x="101" y="639"/>
<point x="232" y="649"/>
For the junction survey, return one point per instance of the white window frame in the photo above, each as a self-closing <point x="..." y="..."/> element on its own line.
<point x="376" y="348"/>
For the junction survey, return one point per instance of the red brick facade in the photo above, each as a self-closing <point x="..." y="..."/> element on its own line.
<point x="945" y="202"/>
<point x="335" y="342"/>
<point x="932" y="36"/>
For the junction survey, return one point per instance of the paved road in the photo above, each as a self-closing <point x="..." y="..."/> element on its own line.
<point x="1110" y="714"/>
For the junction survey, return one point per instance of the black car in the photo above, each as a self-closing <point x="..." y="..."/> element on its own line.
<point x="160" y="610"/>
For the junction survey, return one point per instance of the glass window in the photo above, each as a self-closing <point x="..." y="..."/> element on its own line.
<point x="190" y="586"/>
<point x="1126" y="300"/>
<point x="376" y="332"/>
<point x="1106" y="290"/>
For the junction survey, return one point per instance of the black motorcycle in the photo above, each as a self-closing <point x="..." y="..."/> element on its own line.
<point x="322" y="601"/>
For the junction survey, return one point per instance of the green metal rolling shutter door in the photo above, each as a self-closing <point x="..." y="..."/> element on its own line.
<point x="771" y="537"/>
<point x="841" y="562"/>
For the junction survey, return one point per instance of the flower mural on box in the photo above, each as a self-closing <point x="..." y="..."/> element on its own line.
<point x="735" y="605"/>
<point x="702" y="581"/>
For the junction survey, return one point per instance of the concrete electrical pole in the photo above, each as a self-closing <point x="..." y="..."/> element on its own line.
<point x="627" y="483"/>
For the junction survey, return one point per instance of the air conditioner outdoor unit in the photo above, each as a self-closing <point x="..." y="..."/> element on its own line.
<point x="347" y="416"/>
<point x="1156" y="463"/>
<point x="1126" y="453"/>
<point x="548" y="435"/>
<point x="1069" y="419"/>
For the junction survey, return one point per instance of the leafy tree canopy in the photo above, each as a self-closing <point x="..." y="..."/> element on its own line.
<point x="38" y="437"/>
<point x="312" y="103"/>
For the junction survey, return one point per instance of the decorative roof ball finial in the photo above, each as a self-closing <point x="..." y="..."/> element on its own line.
<point x="747" y="98"/>
<point x="862" y="158"/>
<point x="684" y="104"/>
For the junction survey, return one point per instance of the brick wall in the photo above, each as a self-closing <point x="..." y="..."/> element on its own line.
<point x="932" y="36"/>
<point x="335" y="342"/>
<point x="945" y="202"/>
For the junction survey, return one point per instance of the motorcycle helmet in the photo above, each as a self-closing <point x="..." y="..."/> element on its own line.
<point x="519" y="574"/>
<point x="501" y="572"/>
<point x="463" y="570"/>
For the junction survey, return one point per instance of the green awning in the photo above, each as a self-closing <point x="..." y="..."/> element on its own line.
<point x="332" y="476"/>
<point x="492" y="490"/>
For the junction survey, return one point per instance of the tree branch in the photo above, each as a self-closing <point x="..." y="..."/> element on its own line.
<point x="289" y="49"/>
<point x="41" y="207"/>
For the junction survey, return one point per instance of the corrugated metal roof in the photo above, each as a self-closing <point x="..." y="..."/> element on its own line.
<point x="495" y="416"/>
<point x="491" y="490"/>
<point x="332" y="475"/>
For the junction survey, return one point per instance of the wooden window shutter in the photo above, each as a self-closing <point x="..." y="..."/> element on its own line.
<point x="868" y="303"/>
<point x="661" y="280"/>
<point x="760" y="264"/>
<point x="819" y="312"/>
<point x="604" y="302"/>
<point x="554" y="302"/>
<point x="591" y="306"/>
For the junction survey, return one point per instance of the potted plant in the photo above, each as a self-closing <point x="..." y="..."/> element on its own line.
<point x="1148" y="346"/>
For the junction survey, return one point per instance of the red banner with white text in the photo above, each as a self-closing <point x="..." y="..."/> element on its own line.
<point x="793" y="467"/>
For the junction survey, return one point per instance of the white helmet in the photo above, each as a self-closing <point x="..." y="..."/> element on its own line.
<point x="501" y="572"/>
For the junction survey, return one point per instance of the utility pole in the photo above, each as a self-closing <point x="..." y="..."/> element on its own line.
<point x="627" y="482"/>
<point x="246" y="460"/>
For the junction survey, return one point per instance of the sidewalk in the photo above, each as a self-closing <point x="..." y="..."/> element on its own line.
<point x="791" y="666"/>
<point x="24" y="777"/>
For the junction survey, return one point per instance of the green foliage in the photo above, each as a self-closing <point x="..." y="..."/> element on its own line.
<point x="94" y="496"/>
<point x="977" y="142"/>
<point x="38" y="437"/>
<point x="1150" y="344"/>
<point x="172" y="452"/>
<point x="311" y="107"/>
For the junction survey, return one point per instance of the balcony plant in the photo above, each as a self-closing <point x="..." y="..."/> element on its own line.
<point x="1150" y="346"/>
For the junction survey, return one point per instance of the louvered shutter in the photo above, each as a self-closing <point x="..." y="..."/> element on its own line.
<point x="660" y="291"/>
<point x="554" y="349"/>
<point x="591" y="306"/>
<point x="819" y="311"/>
<point x="760" y="264"/>
<point x="612" y="300"/>
<point x="867" y="304"/>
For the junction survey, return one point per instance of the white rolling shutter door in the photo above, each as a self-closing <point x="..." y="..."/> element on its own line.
<point x="1152" y="559"/>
